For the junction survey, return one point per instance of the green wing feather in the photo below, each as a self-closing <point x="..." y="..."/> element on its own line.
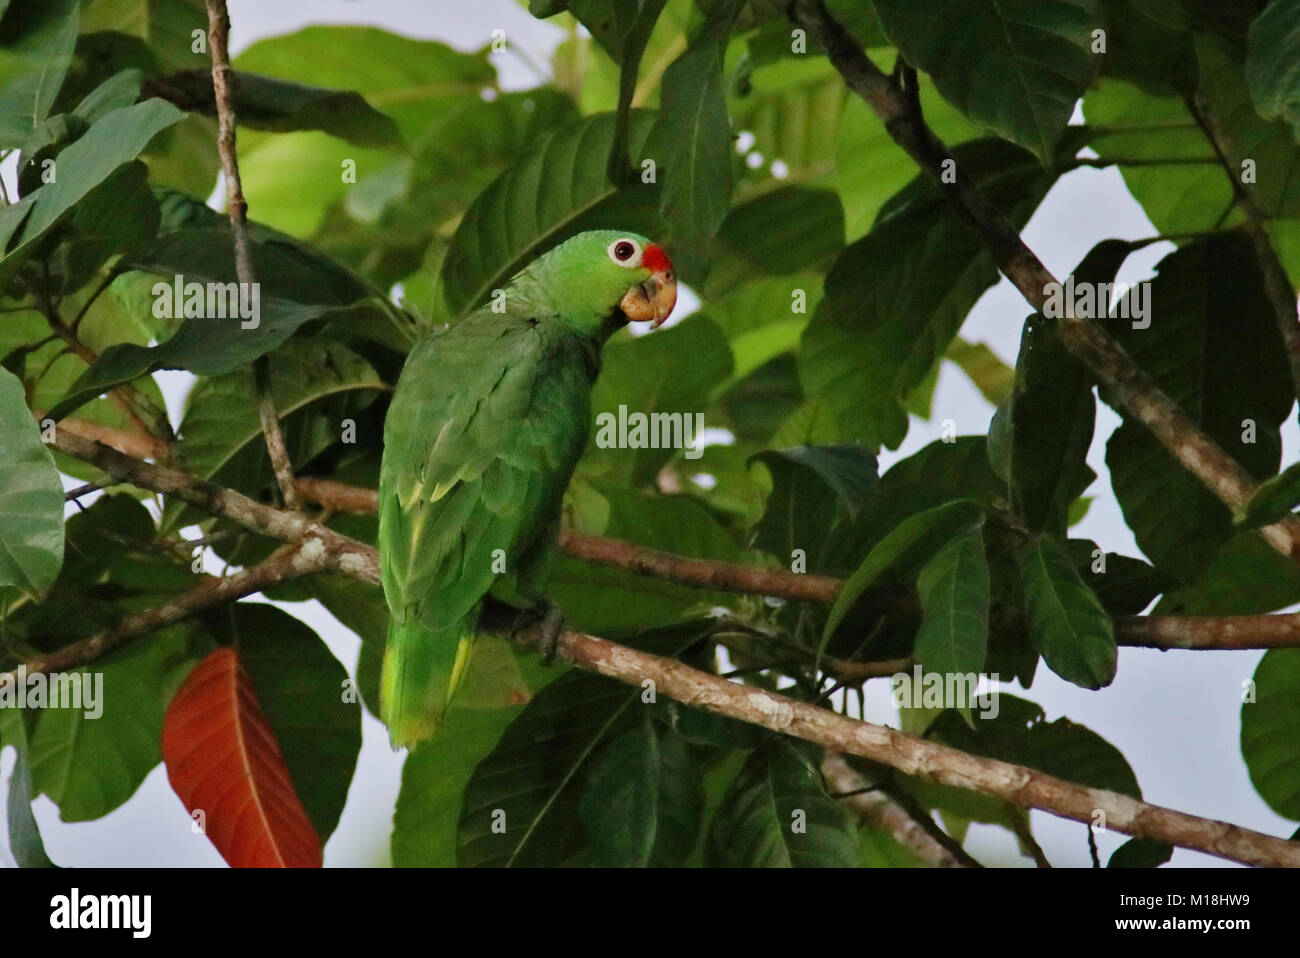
<point x="487" y="422"/>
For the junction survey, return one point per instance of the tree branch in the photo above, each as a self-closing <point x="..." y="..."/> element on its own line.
<point x="340" y="552"/>
<point x="879" y="810"/>
<point x="218" y="35"/>
<point x="928" y="761"/>
<point x="1129" y="385"/>
<point x="1232" y="633"/>
<point x="215" y="591"/>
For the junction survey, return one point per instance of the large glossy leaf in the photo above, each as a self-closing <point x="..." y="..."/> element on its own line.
<point x="220" y="419"/>
<point x="776" y="814"/>
<point x="300" y="687"/>
<point x="1187" y="189"/>
<point x="269" y="103"/>
<point x="954" y="589"/>
<point x="1067" y="623"/>
<point x="1049" y="420"/>
<point x="521" y="807"/>
<point x="118" y="138"/>
<point x="1269" y="146"/>
<point x="642" y="799"/>
<point x="226" y="767"/>
<point x="1222" y="374"/>
<point x="905" y="549"/>
<point x="89" y="766"/>
<point x="413" y="81"/>
<point x="37" y="38"/>
<point x="693" y="132"/>
<point x="1270" y="731"/>
<point x="1020" y="734"/>
<point x="31" y="497"/>
<point x="886" y="321"/>
<point x="514" y="220"/>
<point x="1015" y="67"/>
<point x="813" y="489"/>
<point x="1273" y="66"/>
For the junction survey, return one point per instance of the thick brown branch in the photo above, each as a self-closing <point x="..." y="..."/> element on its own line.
<point x="1129" y="385"/>
<point x="915" y="756"/>
<point x="1153" y="632"/>
<point x="218" y="37"/>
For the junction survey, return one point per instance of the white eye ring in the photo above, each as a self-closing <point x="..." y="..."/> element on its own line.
<point x="631" y="259"/>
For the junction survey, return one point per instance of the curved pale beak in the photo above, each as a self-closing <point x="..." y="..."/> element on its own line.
<point x="651" y="301"/>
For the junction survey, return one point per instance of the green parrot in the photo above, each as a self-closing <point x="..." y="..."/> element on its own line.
<point x="486" y="425"/>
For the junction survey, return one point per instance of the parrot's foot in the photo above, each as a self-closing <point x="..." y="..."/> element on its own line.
<point x="549" y="621"/>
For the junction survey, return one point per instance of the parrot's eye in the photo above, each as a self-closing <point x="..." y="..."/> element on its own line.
<point x="625" y="252"/>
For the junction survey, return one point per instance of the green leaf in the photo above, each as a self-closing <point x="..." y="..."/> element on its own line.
<point x="869" y="168"/>
<point x="1270" y="731"/>
<point x="31" y="498"/>
<point x="88" y="767"/>
<point x="776" y="814"/>
<point x="672" y="372"/>
<point x="954" y="588"/>
<point x="1275" y="499"/>
<point x="813" y="489"/>
<point x="24" y="835"/>
<point x="37" y="38"/>
<point x="692" y="136"/>
<point x="221" y="419"/>
<point x="118" y="138"/>
<point x="1246" y="577"/>
<point x="907" y="547"/>
<point x="1269" y="146"/>
<point x="991" y="376"/>
<point x="302" y="689"/>
<point x="412" y="81"/>
<point x="1230" y="379"/>
<point x="1018" y="733"/>
<point x="1049" y="421"/>
<point x="434" y="778"/>
<point x="1015" y="67"/>
<point x="1273" y="64"/>
<point x="1187" y="191"/>
<point x="634" y="24"/>
<point x="1141" y="853"/>
<point x="520" y="808"/>
<point x="512" y="221"/>
<point x="118" y="91"/>
<point x="896" y="298"/>
<point x="1067" y="624"/>
<point x="642" y="799"/>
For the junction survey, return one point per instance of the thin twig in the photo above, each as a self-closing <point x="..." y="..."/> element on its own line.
<point x="237" y="206"/>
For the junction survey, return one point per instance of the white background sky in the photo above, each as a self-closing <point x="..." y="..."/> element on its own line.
<point x="1174" y="715"/>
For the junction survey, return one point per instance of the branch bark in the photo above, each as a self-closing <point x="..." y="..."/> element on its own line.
<point x="1130" y="386"/>
<point x="218" y="37"/>
<point x="1233" y="633"/>
<point x="215" y="591"/>
<point x="339" y="552"/>
<point x="926" y="760"/>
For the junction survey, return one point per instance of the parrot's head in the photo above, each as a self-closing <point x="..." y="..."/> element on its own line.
<point x="617" y="274"/>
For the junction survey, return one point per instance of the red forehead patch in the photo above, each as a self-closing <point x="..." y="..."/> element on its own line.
<point x="655" y="259"/>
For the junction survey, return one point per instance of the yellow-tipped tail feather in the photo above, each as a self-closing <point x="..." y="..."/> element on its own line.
<point x="422" y="669"/>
